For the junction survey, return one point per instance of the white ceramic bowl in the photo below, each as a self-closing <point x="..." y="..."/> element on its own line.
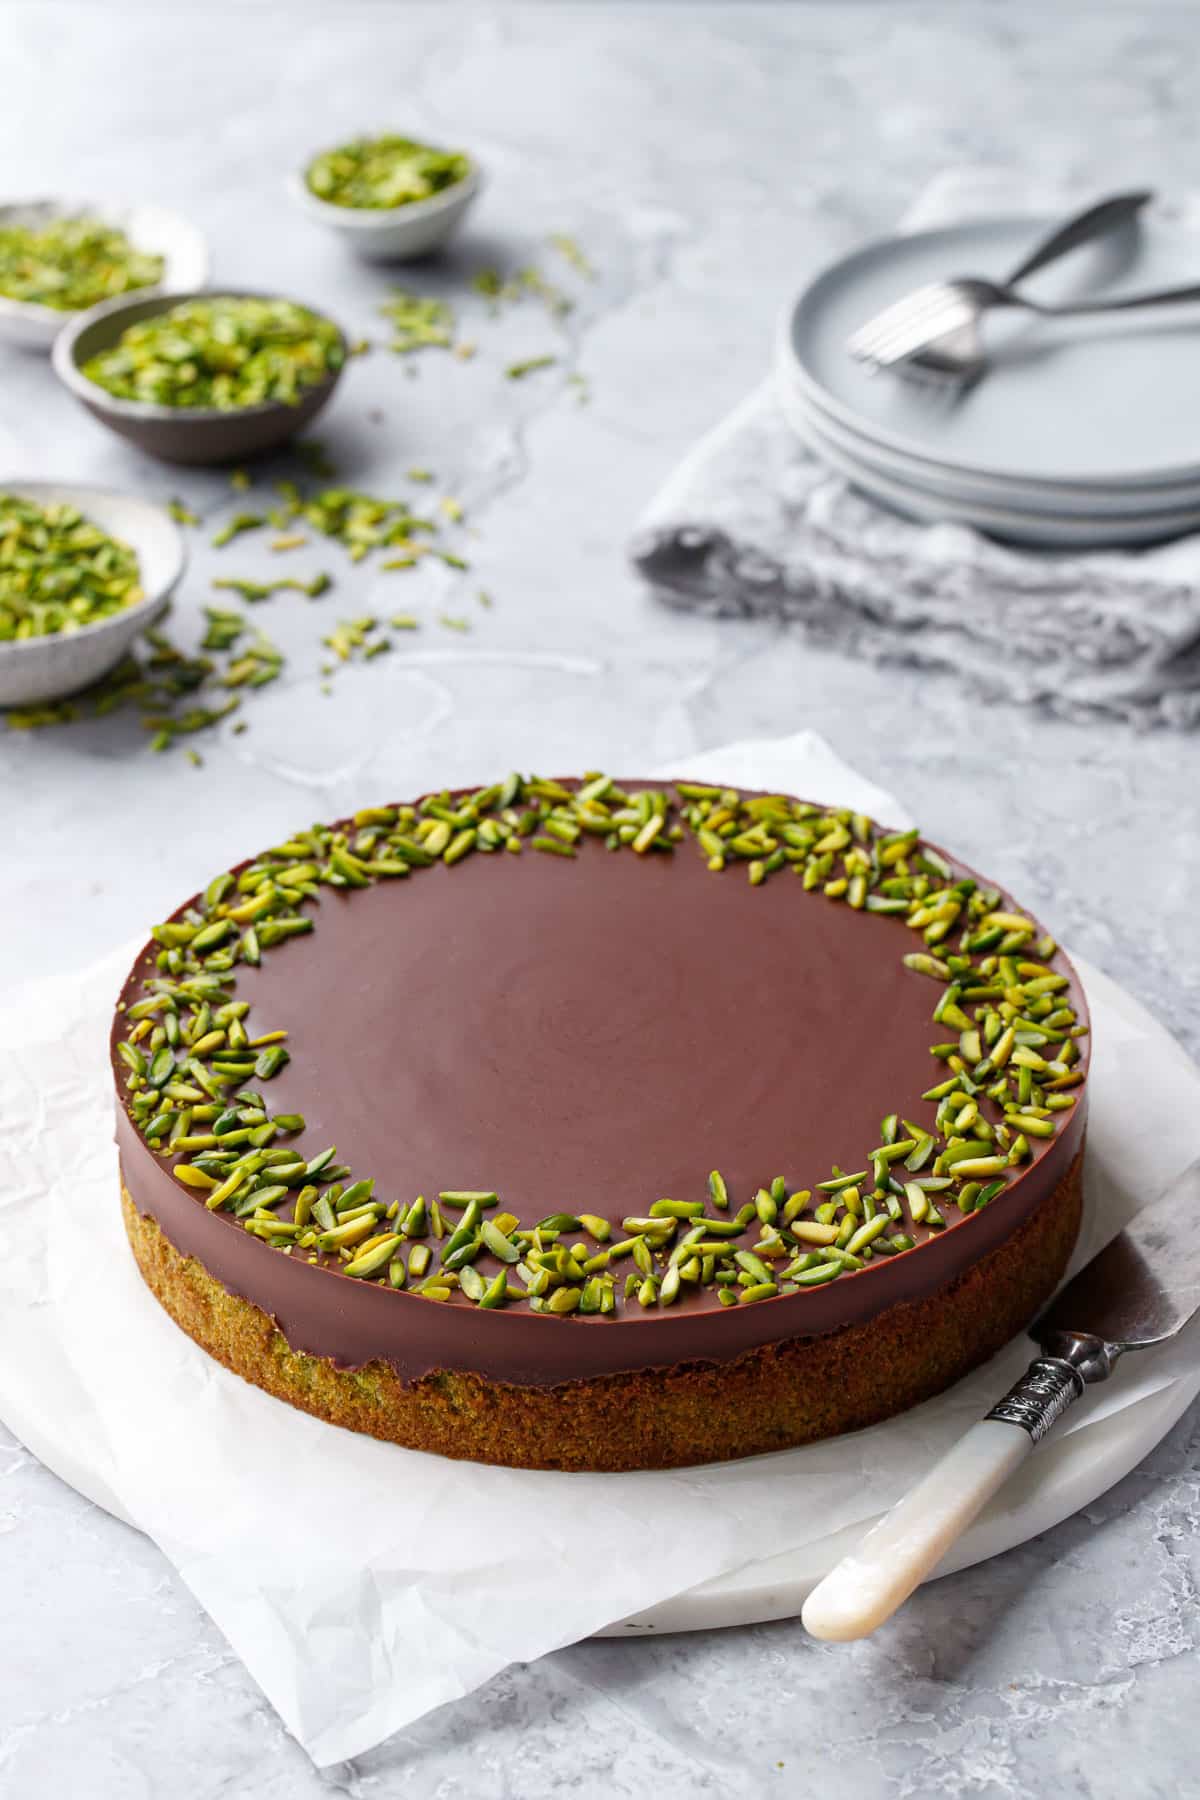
<point x="392" y="233"/>
<point x="49" y="668"/>
<point x="151" y="228"/>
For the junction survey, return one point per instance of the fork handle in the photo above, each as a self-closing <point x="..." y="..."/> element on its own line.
<point x="1079" y="309"/>
<point x="1093" y="222"/>
<point x="1127" y="303"/>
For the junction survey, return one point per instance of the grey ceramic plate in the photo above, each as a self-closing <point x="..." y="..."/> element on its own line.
<point x="1044" y="530"/>
<point x="1110" y="402"/>
<point x="1083" y="505"/>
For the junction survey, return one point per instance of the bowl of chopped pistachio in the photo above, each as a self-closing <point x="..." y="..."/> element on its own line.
<point x="204" y="377"/>
<point x="389" y="197"/>
<point x="83" y="571"/>
<point x="60" y="257"/>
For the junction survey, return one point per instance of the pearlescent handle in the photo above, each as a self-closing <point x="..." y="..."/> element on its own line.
<point x="895" y="1556"/>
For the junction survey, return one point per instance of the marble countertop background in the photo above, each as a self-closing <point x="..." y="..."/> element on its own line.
<point x="706" y="158"/>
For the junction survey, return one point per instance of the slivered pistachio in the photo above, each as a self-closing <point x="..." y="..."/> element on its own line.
<point x="918" y="1201"/>
<point x="194" y="1177"/>
<point x="867" y="1233"/>
<point x="383" y="173"/>
<point x="530" y="365"/>
<point x="256" y="590"/>
<point x="762" y="1290"/>
<point x="563" y="1300"/>
<point x="809" y="1232"/>
<point x="927" y="965"/>
<point x="472" y="1283"/>
<point x="972" y="1167"/>
<point x="461" y="1254"/>
<point x="375" y="1259"/>
<point x="717" y="1190"/>
<point x="676" y="1209"/>
<point x="497" y="1243"/>
<point x="354" y="1195"/>
<point x="1031" y="1126"/>
<point x="838" y="1182"/>
<point x="226" y="1189"/>
<point x="224" y="352"/>
<point x="817" y="1276"/>
<point x="960" y="1152"/>
<point x="58" y="570"/>
<point x="416" y="1222"/>
<point x="795" y="1205"/>
<point x="920" y="1155"/>
<point x="72" y="263"/>
<point x="494" y="1292"/>
<point x="752" y="1264"/>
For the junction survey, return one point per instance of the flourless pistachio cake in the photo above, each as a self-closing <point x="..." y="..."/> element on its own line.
<point x="600" y="1125"/>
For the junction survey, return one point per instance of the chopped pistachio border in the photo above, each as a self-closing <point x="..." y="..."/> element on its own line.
<point x="1009" y="1051"/>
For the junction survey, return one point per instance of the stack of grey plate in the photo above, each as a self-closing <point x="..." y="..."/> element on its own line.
<point x="1080" y="433"/>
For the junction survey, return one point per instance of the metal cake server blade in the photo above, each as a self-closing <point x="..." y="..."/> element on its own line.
<point x="1140" y="1290"/>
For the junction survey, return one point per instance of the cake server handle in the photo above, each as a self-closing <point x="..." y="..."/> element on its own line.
<point x="895" y="1556"/>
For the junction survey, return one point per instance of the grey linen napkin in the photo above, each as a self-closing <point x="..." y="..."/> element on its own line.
<point x="752" y="525"/>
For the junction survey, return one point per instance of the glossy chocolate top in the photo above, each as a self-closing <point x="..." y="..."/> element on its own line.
<point x="587" y="1036"/>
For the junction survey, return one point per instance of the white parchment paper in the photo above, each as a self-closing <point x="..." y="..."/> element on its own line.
<point x="364" y="1585"/>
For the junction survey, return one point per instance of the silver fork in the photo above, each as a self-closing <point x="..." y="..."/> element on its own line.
<point x="953" y="360"/>
<point x="952" y="309"/>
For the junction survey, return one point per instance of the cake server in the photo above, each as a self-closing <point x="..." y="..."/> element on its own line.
<point x="1140" y="1290"/>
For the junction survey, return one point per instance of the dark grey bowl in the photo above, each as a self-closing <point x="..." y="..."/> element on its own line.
<point x="178" y="434"/>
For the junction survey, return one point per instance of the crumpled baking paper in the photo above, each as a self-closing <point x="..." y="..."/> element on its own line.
<point x="361" y="1584"/>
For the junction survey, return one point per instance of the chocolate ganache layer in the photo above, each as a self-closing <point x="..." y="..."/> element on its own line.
<point x="587" y="1034"/>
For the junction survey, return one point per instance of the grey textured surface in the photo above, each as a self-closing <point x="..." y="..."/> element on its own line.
<point x="706" y="159"/>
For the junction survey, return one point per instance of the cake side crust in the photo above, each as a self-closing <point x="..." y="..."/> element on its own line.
<point x="773" y="1397"/>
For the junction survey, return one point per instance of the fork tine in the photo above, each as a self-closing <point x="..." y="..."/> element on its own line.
<point x="897" y="314"/>
<point x="935" y="323"/>
<point x="938" y="383"/>
<point x="917" y="323"/>
<point x="915" y="308"/>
